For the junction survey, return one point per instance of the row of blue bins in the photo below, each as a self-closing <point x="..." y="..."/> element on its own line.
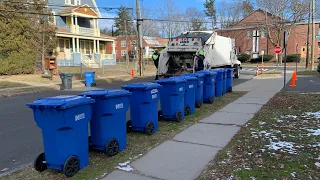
<point x="64" y="119"/>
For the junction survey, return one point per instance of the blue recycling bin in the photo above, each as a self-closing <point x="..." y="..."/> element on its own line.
<point x="229" y="79"/>
<point x="209" y="86"/>
<point x="64" y="124"/>
<point x="190" y="94"/>
<point x="143" y="107"/>
<point x="219" y="82"/>
<point x="172" y="98"/>
<point x="224" y="80"/>
<point x="90" y="81"/>
<point x="199" y="89"/>
<point x="108" y="123"/>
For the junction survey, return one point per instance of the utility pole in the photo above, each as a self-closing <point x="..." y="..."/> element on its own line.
<point x="308" y="36"/>
<point x="139" y="28"/>
<point x="126" y="34"/>
<point x="313" y="36"/>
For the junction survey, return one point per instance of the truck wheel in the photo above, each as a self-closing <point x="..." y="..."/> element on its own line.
<point x="71" y="166"/>
<point x="237" y="69"/>
<point x="40" y="163"/>
<point x="112" y="147"/>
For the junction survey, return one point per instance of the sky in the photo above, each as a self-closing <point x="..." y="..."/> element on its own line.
<point x="183" y="4"/>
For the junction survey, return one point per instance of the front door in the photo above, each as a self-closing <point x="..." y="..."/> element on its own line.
<point x="86" y="47"/>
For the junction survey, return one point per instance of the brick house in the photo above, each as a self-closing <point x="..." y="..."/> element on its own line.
<point x="129" y="45"/>
<point x="252" y="39"/>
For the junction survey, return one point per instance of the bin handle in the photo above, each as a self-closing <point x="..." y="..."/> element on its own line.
<point x="64" y="128"/>
<point x="106" y="114"/>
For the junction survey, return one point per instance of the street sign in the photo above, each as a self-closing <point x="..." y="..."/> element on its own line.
<point x="277" y="50"/>
<point x="318" y="36"/>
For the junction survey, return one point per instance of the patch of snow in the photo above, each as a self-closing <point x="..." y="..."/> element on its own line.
<point x="4" y="169"/>
<point x="313" y="132"/>
<point x="249" y="169"/>
<point x="286" y="146"/>
<point x="262" y="123"/>
<point x="289" y="116"/>
<point x="124" y="164"/>
<point x="293" y="174"/>
<point x="313" y="114"/>
<point x="125" y="168"/>
<point x="279" y="121"/>
<point x="262" y="150"/>
<point x="230" y="177"/>
<point x="317" y="164"/>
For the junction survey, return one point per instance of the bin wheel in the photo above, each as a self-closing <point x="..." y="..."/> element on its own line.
<point x="198" y="104"/>
<point x="149" y="129"/>
<point x="230" y="89"/>
<point x="159" y="116"/>
<point x="93" y="84"/>
<point x="71" y="166"/>
<point x="40" y="163"/>
<point x="211" y="100"/>
<point x="178" y="116"/>
<point x="187" y="110"/>
<point x="129" y="126"/>
<point x="112" y="147"/>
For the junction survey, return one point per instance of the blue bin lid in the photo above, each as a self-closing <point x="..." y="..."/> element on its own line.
<point x="208" y="72"/>
<point x="188" y="78"/>
<point x="171" y="80"/>
<point x="194" y="74"/>
<point x="142" y="86"/>
<point x="105" y="94"/>
<point x="60" y="102"/>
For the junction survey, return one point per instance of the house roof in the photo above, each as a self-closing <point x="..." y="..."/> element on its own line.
<point x="82" y="9"/>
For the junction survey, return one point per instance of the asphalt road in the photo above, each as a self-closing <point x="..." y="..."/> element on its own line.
<point x="21" y="139"/>
<point x="305" y="84"/>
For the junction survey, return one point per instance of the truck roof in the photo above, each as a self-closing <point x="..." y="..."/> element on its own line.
<point x="204" y="36"/>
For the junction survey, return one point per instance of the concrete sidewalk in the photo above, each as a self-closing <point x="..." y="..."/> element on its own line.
<point x="188" y="153"/>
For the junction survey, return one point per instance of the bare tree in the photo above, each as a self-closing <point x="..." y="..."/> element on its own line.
<point x="196" y="18"/>
<point x="149" y="28"/>
<point x="170" y="11"/>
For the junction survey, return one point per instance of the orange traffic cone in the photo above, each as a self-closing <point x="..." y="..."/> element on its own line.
<point x="257" y="71"/>
<point x="132" y="72"/>
<point x="262" y="69"/>
<point x="294" y="75"/>
<point x="293" y="81"/>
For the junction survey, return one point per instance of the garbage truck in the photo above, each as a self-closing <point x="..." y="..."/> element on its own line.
<point x="180" y="55"/>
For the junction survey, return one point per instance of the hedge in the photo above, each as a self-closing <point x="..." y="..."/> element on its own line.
<point x="293" y="57"/>
<point x="17" y="63"/>
<point x="243" y="57"/>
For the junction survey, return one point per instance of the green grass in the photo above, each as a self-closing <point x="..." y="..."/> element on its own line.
<point x="8" y="84"/>
<point x="248" y="154"/>
<point x="137" y="143"/>
<point x="309" y="72"/>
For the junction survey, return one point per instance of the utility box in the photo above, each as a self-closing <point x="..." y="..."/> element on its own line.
<point x="50" y="63"/>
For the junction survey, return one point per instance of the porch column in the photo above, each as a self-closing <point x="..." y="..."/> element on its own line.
<point x="97" y="23"/>
<point x="78" y="45"/>
<point x="94" y="46"/>
<point x="76" y="17"/>
<point x="73" y="45"/>
<point x="113" y="47"/>
<point x="72" y="21"/>
<point x="98" y="43"/>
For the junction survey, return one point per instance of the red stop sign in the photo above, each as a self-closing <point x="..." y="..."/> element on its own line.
<point x="277" y="49"/>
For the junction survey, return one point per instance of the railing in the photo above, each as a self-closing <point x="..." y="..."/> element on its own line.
<point x="89" y="31"/>
<point x="106" y="56"/>
<point x="64" y="56"/>
<point x="146" y="56"/>
<point x="97" y="59"/>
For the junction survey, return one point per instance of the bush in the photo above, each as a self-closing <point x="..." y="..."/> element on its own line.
<point x="243" y="57"/>
<point x="293" y="57"/>
<point x="266" y="57"/>
<point x="17" y="63"/>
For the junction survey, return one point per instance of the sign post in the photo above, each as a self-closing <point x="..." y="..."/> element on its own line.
<point x="277" y="50"/>
<point x="285" y="39"/>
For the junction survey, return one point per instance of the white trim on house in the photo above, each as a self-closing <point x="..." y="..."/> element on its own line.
<point x="96" y="7"/>
<point x="84" y="37"/>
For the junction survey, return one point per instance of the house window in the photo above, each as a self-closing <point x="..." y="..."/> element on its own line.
<point x="133" y="42"/>
<point x="72" y="2"/>
<point x="319" y="45"/>
<point x="123" y="52"/>
<point x="123" y="43"/>
<point x="249" y="34"/>
<point x="263" y="34"/>
<point x="132" y="53"/>
<point x="248" y="52"/>
<point x="64" y="45"/>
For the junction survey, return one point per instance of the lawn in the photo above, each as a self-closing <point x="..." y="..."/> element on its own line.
<point x="282" y="141"/>
<point x="137" y="145"/>
<point x="7" y="84"/>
